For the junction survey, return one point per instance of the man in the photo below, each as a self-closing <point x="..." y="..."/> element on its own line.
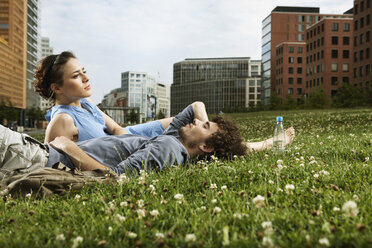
<point x="189" y="135"/>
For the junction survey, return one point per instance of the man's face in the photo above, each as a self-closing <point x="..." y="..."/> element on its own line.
<point x="198" y="132"/>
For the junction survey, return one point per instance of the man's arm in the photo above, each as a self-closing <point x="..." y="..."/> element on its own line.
<point x="78" y="157"/>
<point x="199" y="111"/>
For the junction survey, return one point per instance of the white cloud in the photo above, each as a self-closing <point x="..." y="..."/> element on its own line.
<point x="113" y="36"/>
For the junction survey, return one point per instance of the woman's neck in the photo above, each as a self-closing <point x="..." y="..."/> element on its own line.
<point x="68" y="102"/>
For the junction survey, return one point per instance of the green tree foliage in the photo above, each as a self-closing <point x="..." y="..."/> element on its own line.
<point x="289" y="103"/>
<point x="275" y="101"/>
<point x="8" y="111"/>
<point x="348" y="96"/>
<point x="35" y="114"/>
<point x="161" y="115"/>
<point x="133" y="116"/>
<point x="317" y="99"/>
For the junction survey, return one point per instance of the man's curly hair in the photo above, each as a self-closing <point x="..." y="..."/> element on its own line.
<point x="227" y="141"/>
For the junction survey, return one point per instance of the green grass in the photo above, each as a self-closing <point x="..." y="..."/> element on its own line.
<point x="340" y="141"/>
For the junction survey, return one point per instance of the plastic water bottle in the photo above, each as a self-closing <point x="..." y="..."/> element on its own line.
<point x="279" y="136"/>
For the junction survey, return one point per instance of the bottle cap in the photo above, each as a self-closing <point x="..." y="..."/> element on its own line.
<point x="279" y="119"/>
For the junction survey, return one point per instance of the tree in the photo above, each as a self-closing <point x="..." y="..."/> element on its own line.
<point x="348" y="96"/>
<point x="317" y="98"/>
<point x="289" y="103"/>
<point x="133" y="116"/>
<point x="275" y="101"/>
<point x="161" y="115"/>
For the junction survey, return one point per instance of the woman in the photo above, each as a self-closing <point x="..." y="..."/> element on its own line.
<point x="63" y="80"/>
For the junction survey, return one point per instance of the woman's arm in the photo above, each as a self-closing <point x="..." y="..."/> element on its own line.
<point x="61" y="125"/>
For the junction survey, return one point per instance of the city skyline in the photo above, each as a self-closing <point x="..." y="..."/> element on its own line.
<point x="110" y="37"/>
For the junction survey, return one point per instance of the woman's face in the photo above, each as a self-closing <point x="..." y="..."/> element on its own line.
<point x="75" y="81"/>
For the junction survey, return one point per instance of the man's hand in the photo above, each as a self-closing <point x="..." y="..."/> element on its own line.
<point x="62" y="143"/>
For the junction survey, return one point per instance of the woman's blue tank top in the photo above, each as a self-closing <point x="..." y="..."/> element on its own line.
<point x="88" y="120"/>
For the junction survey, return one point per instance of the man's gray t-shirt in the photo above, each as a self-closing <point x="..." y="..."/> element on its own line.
<point x="129" y="153"/>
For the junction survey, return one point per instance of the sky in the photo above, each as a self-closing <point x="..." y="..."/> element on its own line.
<point x="113" y="36"/>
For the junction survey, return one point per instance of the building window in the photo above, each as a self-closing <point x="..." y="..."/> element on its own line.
<point x="355" y="9"/>
<point x="290" y="70"/>
<point x="290" y="91"/>
<point x="362" y="22"/>
<point x="361" y="39"/>
<point x="299" y="60"/>
<point x="322" y="27"/>
<point x="301" y="37"/>
<point x="355" y="41"/>
<point x="355" y="72"/>
<point x="290" y="80"/>
<point x="346" y="27"/>
<point x="355" y="25"/>
<point x="361" y="53"/>
<point x="334" y="80"/>
<point x="361" y="71"/>
<point x="334" y="40"/>
<point x="361" y="6"/>
<point x="299" y="70"/>
<point x="345" y="54"/>
<point x="322" y="41"/>
<point x="368" y="5"/>
<point x="301" y="18"/>
<point x="291" y="60"/>
<point x="345" y="67"/>
<point x="291" y="49"/>
<point x="334" y="67"/>
<point x="299" y="80"/>
<point x="355" y="56"/>
<point x="346" y="40"/>
<point x="368" y="69"/>
<point x="301" y="28"/>
<point x="309" y="19"/>
<point x="334" y="26"/>
<point x="345" y="79"/>
<point x="367" y="53"/>
<point x="367" y="36"/>
<point x="334" y="54"/>
<point x="299" y="49"/>
<point x="299" y="91"/>
<point x="368" y="19"/>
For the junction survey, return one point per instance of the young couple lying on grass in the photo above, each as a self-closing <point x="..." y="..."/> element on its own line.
<point x="102" y="143"/>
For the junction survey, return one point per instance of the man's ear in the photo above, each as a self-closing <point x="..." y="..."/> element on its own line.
<point x="206" y="149"/>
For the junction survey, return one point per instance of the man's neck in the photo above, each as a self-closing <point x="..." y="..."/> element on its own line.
<point x="192" y="151"/>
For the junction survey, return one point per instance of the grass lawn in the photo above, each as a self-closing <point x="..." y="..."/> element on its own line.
<point x="316" y="194"/>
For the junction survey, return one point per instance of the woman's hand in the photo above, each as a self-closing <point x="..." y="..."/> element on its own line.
<point x="62" y="143"/>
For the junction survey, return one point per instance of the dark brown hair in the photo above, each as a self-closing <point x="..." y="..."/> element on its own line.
<point x="227" y="141"/>
<point x="50" y="71"/>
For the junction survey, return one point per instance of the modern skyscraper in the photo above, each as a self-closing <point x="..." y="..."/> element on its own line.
<point x="362" y="72"/>
<point x="46" y="50"/>
<point x="33" y="50"/>
<point x="221" y="83"/>
<point x="13" y="21"/>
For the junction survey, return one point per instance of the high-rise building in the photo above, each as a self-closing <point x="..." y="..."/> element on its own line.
<point x="46" y="50"/>
<point x="162" y="92"/>
<point x="362" y="72"/>
<point x="140" y="89"/>
<point x="283" y="26"/>
<point x="329" y="54"/>
<point x="221" y="83"/>
<point x="33" y="51"/>
<point x="13" y="21"/>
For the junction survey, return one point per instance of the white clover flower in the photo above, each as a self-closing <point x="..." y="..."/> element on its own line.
<point x="279" y="162"/>
<point x="216" y="210"/>
<point x="312" y="158"/>
<point x="214" y="201"/>
<point x="178" y="197"/>
<point x="123" y="204"/>
<point x="237" y="216"/>
<point x="302" y="165"/>
<point x="203" y="208"/>
<point x="214" y="158"/>
<point x="77" y="197"/>
<point x="224" y="187"/>
<point x="267" y="242"/>
<point x="356" y="197"/>
<point x="189" y="238"/>
<point x="205" y="168"/>
<point x="316" y="175"/>
<point x="279" y="190"/>
<point x="132" y="235"/>
<point x="154" y="213"/>
<point x="312" y="162"/>
<point x="122" y="179"/>
<point x="159" y="235"/>
<point x="271" y="181"/>
<point x="289" y="188"/>
<point x="213" y="186"/>
<point x="60" y="237"/>
<point x="250" y="172"/>
<point x="120" y="218"/>
<point x="336" y="209"/>
<point x="143" y="173"/>
<point x="266" y="155"/>
<point x="267" y="225"/>
<point x="324" y="173"/>
<point x="141" y="213"/>
<point x="152" y="187"/>
<point x="259" y="201"/>
<point x="324" y="242"/>
<point x="140" y="203"/>
<point x="280" y="167"/>
<point x="110" y="228"/>
<point x="77" y="241"/>
<point x="28" y="195"/>
<point x="366" y="160"/>
<point x="350" y="209"/>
